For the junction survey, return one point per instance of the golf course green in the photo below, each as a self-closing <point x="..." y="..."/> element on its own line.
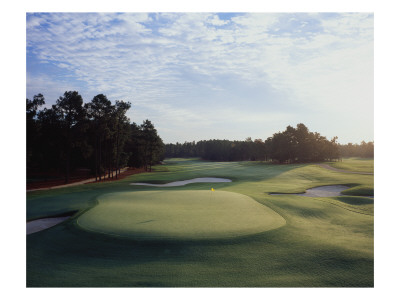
<point x="240" y="235"/>
<point x="179" y="215"/>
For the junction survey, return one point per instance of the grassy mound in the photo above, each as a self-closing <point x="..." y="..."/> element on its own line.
<point x="191" y="214"/>
<point x="355" y="164"/>
<point x="359" y="191"/>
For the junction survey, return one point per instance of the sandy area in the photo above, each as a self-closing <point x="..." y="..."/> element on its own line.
<point x="184" y="182"/>
<point x="42" y="224"/>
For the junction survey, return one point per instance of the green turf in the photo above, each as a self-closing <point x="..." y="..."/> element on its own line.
<point x="185" y="215"/>
<point x="326" y="242"/>
<point x="355" y="164"/>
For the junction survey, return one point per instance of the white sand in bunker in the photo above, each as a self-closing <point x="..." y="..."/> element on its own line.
<point x="42" y="224"/>
<point x="184" y="182"/>
<point x="179" y="215"/>
<point x="322" y="191"/>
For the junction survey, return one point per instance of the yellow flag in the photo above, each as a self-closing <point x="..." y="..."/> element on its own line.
<point x="212" y="189"/>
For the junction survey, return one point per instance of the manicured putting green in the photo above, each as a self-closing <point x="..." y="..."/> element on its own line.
<point x="179" y="215"/>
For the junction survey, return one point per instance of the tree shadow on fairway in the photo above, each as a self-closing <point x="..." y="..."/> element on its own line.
<point x="354" y="200"/>
<point x="75" y="258"/>
<point x="65" y="256"/>
<point x="70" y="240"/>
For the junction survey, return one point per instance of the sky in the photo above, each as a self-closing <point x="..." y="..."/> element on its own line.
<point x="200" y="76"/>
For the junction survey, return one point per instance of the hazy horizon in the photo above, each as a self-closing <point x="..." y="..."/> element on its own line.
<point x="200" y="76"/>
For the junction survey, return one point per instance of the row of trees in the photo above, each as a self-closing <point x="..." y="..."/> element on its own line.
<point x="219" y="150"/>
<point x="96" y="135"/>
<point x="364" y="149"/>
<point x="295" y="144"/>
<point x="224" y="150"/>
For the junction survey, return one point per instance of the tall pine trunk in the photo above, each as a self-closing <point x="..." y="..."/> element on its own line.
<point x="67" y="160"/>
<point x="96" y="154"/>
<point x="117" y="158"/>
<point x="99" y="158"/>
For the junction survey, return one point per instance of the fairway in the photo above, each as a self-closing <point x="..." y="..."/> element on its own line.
<point x="191" y="214"/>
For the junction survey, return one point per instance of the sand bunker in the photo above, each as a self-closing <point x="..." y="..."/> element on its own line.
<point x="322" y="191"/>
<point x="184" y="182"/>
<point x="42" y="224"/>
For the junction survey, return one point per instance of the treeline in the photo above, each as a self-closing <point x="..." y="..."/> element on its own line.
<point x="96" y="135"/>
<point x="364" y="149"/>
<point x="295" y="144"/>
<point x="219" y="150"/>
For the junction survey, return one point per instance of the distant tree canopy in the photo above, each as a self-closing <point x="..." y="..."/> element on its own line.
<point x="295" y="144"/>
<point x="96" y="135"/>
<point x="300" y="145"/>
<point x="365" y="150"/>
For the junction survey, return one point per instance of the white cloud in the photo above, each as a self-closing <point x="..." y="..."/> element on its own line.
<point x="216" y="21"/>
<point x="33" y="21"/>
<point x="160" y="59"/>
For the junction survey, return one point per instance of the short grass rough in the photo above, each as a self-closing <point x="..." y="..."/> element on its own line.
<point x="325" y="242"/>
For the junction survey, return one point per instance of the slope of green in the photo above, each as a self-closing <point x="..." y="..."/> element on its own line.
<point x="326" y="242"/>
<point x="355" y="164"/>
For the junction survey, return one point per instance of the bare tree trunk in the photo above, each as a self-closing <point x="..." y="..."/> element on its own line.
<point x="105" y="161"/>
<point x="109" y="168"/>
<point x="99" y="159"/>
<point x="96" y="167"/>
<point x="117" y="158"/>
<point x="67" y="166"/>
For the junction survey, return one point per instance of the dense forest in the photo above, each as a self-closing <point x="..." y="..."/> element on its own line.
<point x="290" y="146"/>
<point x="96" y="136"/>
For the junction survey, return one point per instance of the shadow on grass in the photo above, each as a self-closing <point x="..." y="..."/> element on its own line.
<point x="354" y="200"/>
<point x="77" y="258"/>
<point x="358" y="190"/>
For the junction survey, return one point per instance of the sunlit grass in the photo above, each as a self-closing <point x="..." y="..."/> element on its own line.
<point x="190" y="214"/>
<point x="325" y="242"/>
<point x="355" y="164"/>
